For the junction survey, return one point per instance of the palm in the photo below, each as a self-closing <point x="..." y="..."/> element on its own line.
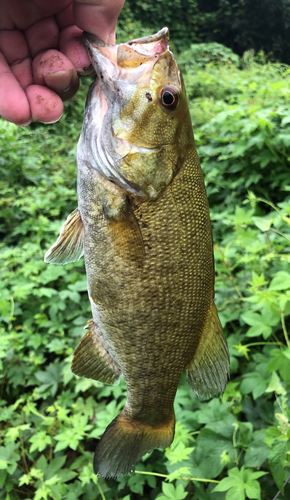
<point x="41" y="53"/>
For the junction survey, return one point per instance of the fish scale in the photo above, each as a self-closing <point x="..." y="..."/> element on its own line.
<point x="144" y="229"/>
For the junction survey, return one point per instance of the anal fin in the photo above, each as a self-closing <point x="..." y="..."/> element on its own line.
<point x="208" y="372"/>
<point x="92" y="360"/>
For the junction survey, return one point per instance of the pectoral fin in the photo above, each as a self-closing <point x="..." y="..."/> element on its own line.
<point x="69" y="246"/>
<point x="92" y="360"/>
<point x="208" y="372"/>
<point x="124" y="230"/>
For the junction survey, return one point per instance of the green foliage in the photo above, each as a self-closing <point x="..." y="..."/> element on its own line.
<point x="233" y="447"/>
<point x="241" y="484"/>
<point x="238" y="24"/>
<point x="202" y="54"/>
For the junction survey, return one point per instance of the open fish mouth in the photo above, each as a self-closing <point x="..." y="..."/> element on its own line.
<point x="125" y="55"/>
<point x="129" y="76"/>
<point x="119" y="66"/>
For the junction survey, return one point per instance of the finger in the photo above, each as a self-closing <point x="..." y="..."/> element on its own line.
<point x="55" y="70"/>
<point x="42" y="35"/>
<point x="70" y="43"/>
<point x="14" y="105"/>
<point x="15" y="50"/>
<point x="98" y="17"/>
<point x="23" y="72"/>
<point x="65" y="17"/>
<point x="45" y="105"/>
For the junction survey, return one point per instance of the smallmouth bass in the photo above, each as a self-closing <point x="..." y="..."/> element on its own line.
<point x="144" y="229"/>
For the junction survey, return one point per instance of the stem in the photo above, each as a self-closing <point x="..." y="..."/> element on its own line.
<point x="83" y="451"/>
<point x="267" y="202"/>
<point x="279" y="232"/>
<point x="23" y="456"/>
<point x="232" y="279"/>
<point x="276" y="496"/>
<point x="262" y="343"/>
<point x="101" y="491"/>
<point x="276" y="338"/>
<point x="235" y="444"/>
<point x="185" y="478"/>
<point x="12" y="311"/>
<point x="285" y="329"/>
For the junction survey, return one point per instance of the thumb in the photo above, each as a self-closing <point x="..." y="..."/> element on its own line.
<point x="98" y="17"/>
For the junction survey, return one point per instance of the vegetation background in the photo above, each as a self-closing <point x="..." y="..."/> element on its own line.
<point x="235" y="447"/>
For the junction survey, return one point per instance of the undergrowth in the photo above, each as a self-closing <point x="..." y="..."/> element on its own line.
<point x="233" y="447"/>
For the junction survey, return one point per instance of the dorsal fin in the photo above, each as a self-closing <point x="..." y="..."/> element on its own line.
<point x="69" y="246"/>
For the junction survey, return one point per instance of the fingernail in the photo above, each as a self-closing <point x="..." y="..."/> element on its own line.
<point x="53" y="121"/>
<point x="25" y="124"/>
<point x="64" y="83"/>
<point x="58" y="80"/>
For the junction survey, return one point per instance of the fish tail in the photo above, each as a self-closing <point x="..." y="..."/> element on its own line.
<point x="125" y="441"/>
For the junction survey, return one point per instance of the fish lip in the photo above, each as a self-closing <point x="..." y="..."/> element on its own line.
<point x="93" y="39"/>
<point x="163" y="33"/>
<point x="89" y="38"/>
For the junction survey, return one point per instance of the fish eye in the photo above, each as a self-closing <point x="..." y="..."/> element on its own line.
<point x="169" y="98"/>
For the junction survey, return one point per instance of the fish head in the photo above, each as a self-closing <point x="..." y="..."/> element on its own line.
<point x="137" y="122"/>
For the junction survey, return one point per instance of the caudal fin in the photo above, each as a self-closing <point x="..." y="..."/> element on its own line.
<point x="125" y="441"/>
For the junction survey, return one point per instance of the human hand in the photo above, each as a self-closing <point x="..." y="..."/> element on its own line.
<point x="41" y="53"/>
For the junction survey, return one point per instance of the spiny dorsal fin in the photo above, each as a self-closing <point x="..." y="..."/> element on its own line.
<point x="208" y="372"/>
<point x="92" y="359"/>
<point x="69" y="246"/>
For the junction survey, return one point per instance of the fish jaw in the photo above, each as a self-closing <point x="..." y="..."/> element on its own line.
<point x="130" y="138"/>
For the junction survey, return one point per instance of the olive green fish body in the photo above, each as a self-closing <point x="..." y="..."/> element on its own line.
<point x="143" y="226"/>
<point x="152" y="315"/>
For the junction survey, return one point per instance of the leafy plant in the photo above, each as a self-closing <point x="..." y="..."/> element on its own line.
<point x="235" y="446"/>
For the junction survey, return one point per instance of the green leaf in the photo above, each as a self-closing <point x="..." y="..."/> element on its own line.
<point x="253" y="489"/>
<point x="277" y="463"/>
<point x="254" y="382"/>
<point x="275" y="385"/>
<point x="39" y="441"/>
<point x="280" y="363"/>
<point x="3" y="476"/>
<point x="8" y="458"/>
<point x="226" y="484"/>
<point x="241" y="483"/>
<point x="281" y="281"/>
<point x="235" y="493"/>
<point x="54" y="467"/>
<point x="67" y="438"/>
<point x="209" y="458"/>
<point x="172" y="493"/>
<point x="257" y="452"/>
<point x="65" y="475"/>
<point x="263" y="223"/>
<point x="213" y="411"/>
<point x="260" y="323"/>
<point x="179" y="453"/>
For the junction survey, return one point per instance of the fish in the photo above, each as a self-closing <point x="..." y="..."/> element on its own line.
<point x="143" y="226"/>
